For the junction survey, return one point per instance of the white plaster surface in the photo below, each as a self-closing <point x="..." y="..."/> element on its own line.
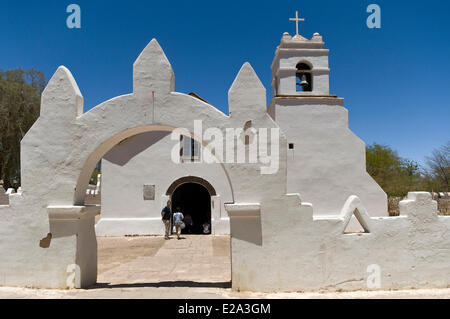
<point x="328" y="162"/>
<point x="411" y="250"/>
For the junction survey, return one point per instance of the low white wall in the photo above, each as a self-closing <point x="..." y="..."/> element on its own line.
<point x="302" y="253"/>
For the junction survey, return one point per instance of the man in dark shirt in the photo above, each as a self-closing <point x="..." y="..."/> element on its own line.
<point x="166" y="215"/>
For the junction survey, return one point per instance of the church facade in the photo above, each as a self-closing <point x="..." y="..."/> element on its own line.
<point x="287" y="203"/>
<point x="325" y="160"/>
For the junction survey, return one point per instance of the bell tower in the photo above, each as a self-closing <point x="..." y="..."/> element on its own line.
<point x="325" y="160"/>
<point x="300" y="66"/>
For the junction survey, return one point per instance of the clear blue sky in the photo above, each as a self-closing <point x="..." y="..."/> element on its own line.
<point x="395" y="80"/>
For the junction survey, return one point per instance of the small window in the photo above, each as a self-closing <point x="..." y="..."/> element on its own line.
<point x="190" y="149"/>
<point x="291" y="146"/>
<point x="247" y="126"/>
<point x="304" y="78"/>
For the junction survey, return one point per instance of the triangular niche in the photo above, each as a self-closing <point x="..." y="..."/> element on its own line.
<point x="356" y="224"/>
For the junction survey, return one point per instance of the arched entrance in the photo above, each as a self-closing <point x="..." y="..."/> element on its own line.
<point x="194" y="201"/>
<point x="180" y="187"/>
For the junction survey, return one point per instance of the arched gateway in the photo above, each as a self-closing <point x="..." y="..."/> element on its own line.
<point x="64" y="145"/>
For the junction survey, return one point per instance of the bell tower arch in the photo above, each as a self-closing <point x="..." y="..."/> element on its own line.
<point x="300" y="67"/>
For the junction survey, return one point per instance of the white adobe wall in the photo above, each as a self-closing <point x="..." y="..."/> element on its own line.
<point x="300" y="252"/>
<point x="145" y="159"/>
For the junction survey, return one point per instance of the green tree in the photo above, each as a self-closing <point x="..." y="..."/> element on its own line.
<point x="397" y="176"/>
<point x="20" y="93"/>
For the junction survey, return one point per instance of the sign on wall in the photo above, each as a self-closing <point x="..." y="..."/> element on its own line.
<point x="149" y="192"/>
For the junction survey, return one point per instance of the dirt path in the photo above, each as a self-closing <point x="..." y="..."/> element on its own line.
<point x="128" y="261"/>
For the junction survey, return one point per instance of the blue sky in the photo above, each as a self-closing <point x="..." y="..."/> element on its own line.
<point x="395" y="80"/>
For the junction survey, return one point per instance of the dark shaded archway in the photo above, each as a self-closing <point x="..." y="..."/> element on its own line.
<point x="191" y="179"/>
<point x="194" y="200"/>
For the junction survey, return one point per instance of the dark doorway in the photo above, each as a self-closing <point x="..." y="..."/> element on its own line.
<point x="194" y="200"/>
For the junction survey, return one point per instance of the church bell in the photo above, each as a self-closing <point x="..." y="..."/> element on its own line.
<point x="304" y="83"/>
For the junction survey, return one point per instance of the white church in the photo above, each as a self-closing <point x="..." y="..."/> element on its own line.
<point x="290" y="210"/>
<point x="325" y="161"/>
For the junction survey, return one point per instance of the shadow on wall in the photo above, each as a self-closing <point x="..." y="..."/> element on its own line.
<point x="123" y="152"/>
<point x="4" y="199"/>
<point x="248" y="229"/>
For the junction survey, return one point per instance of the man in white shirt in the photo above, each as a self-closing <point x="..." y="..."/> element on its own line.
<point x="178" y="221"/>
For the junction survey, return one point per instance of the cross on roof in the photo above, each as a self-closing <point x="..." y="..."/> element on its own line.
<point x="296" y="19"/>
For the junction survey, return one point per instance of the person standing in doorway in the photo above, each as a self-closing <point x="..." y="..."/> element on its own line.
<point x="178" y="221"/>
<point x="166" y="216"/>
<point x="189" y="223"/>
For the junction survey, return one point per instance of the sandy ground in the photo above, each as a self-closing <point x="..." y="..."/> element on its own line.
<point x="195" y="267"/>
<point x="153" y="261"/>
